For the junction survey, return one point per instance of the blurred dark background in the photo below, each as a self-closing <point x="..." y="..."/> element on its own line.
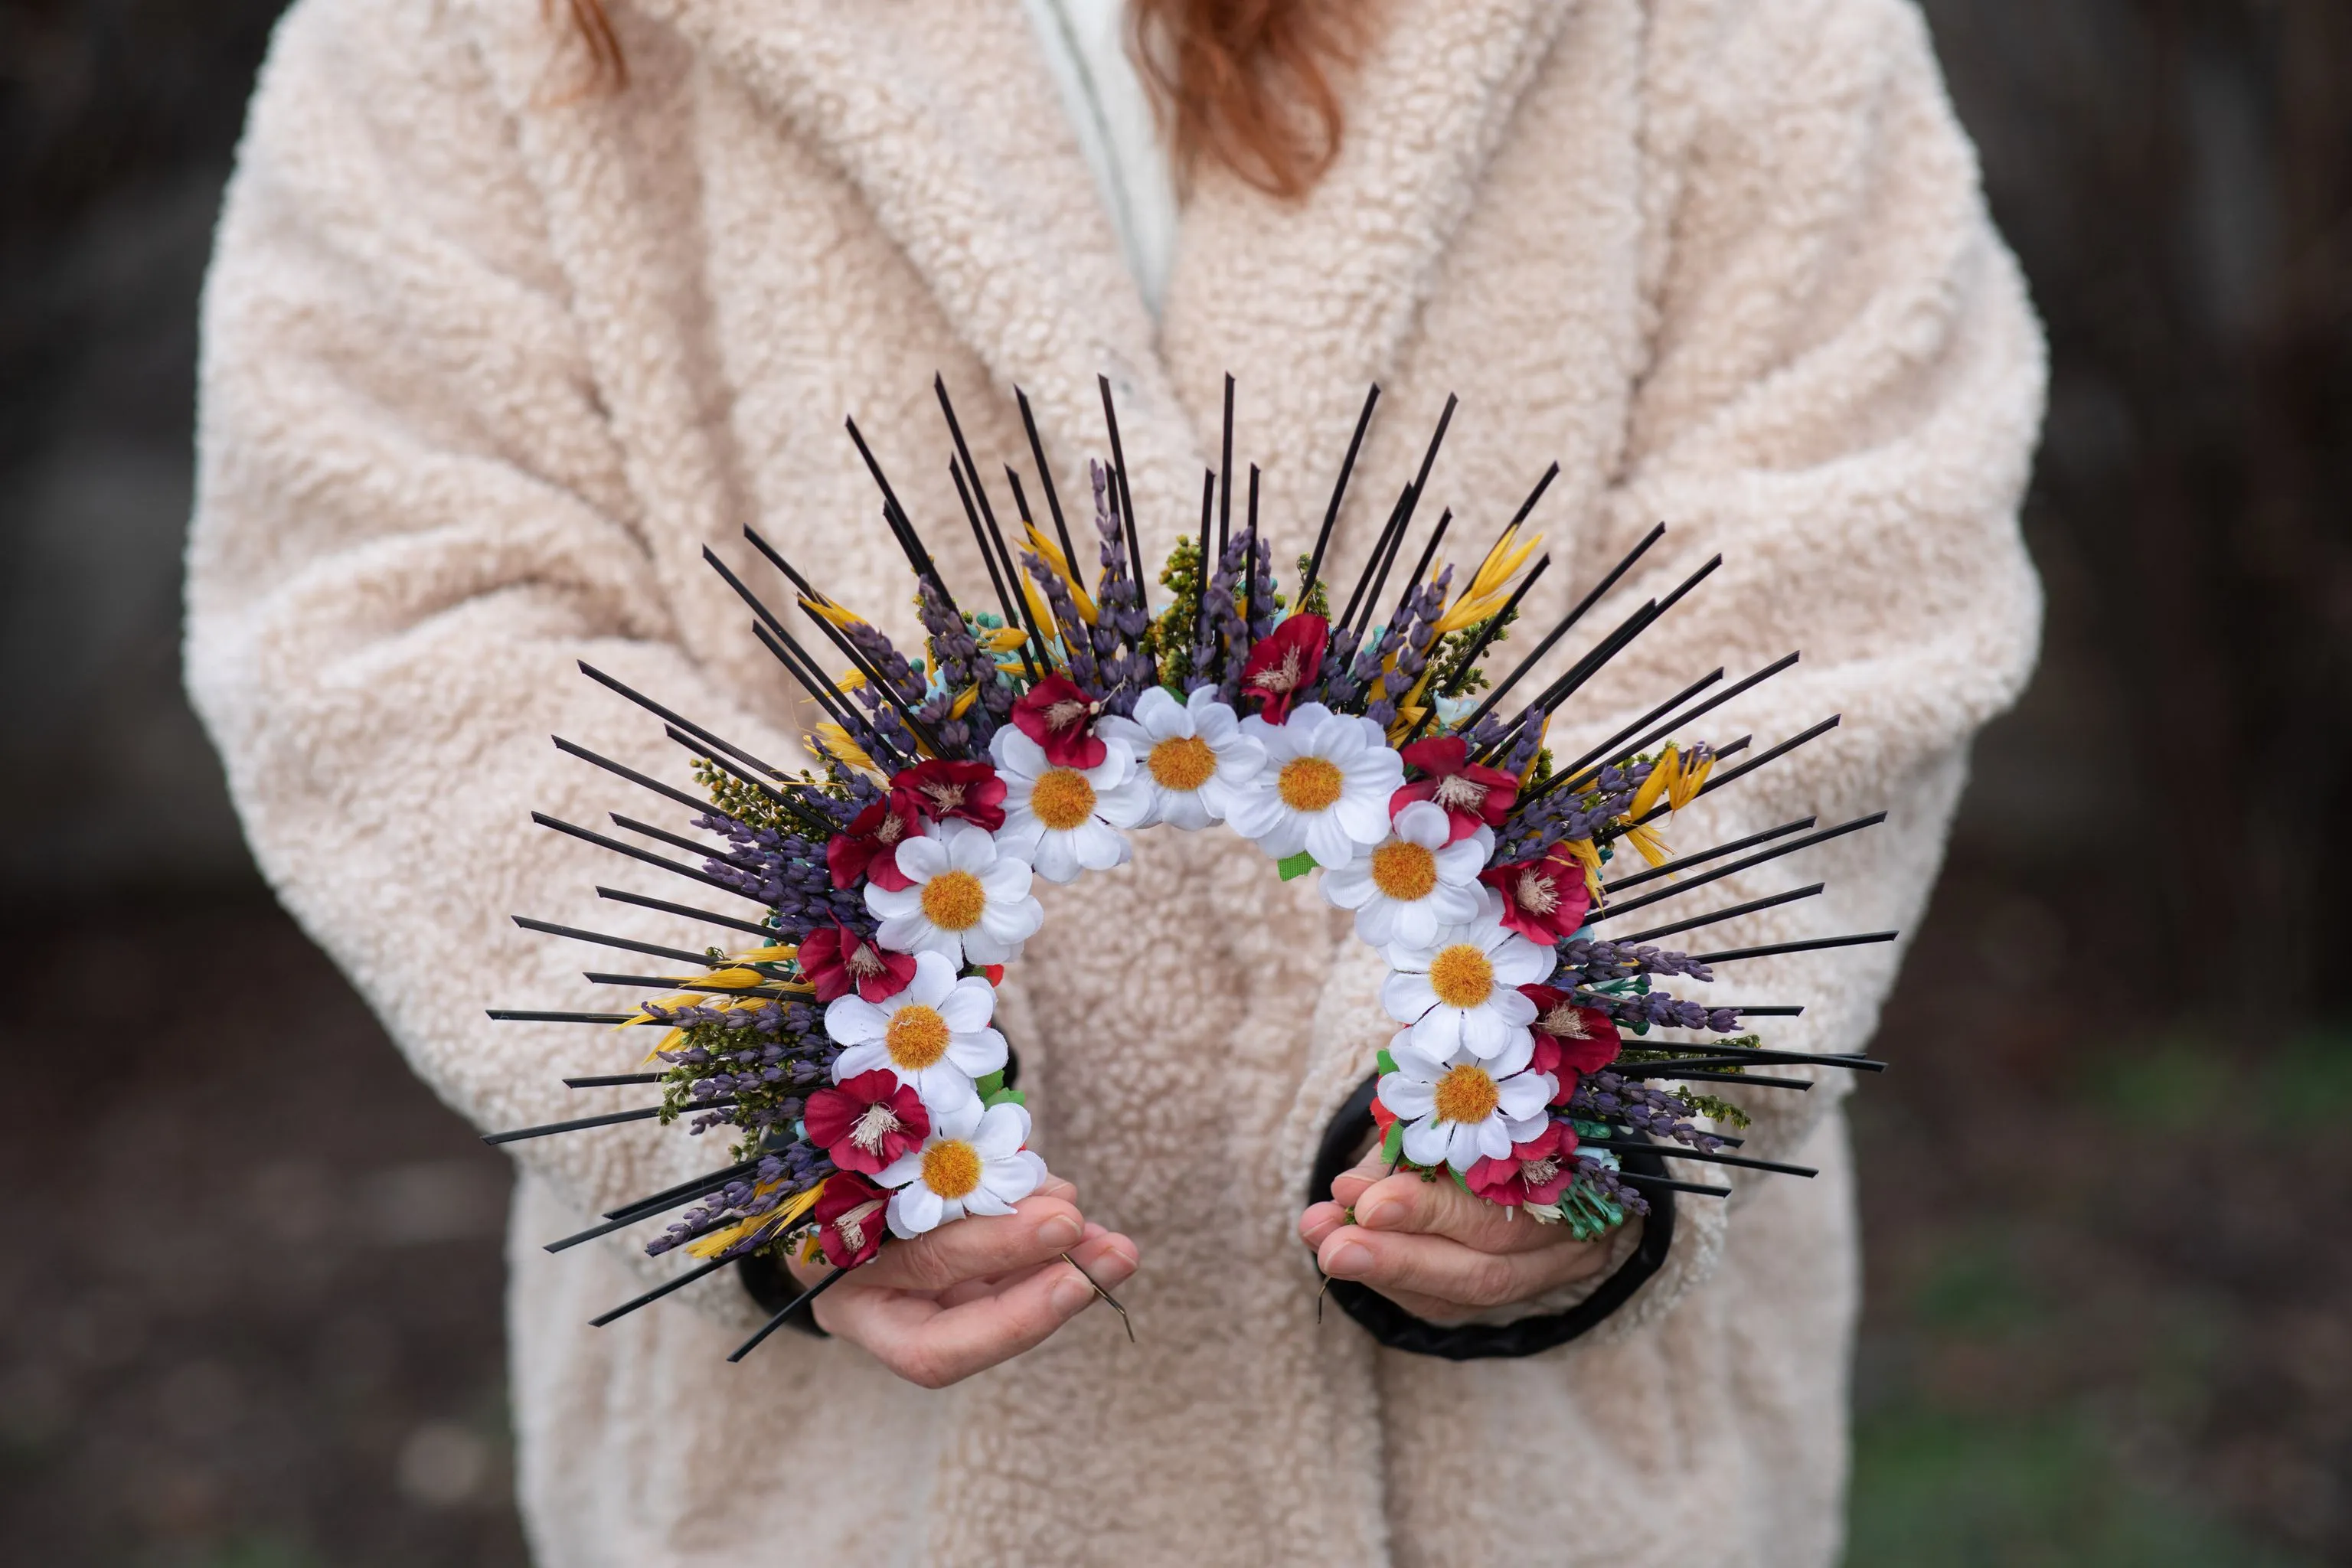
<point x="250" y="1315"/>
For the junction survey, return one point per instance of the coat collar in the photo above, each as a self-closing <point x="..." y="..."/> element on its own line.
<point x="944" y="117"/>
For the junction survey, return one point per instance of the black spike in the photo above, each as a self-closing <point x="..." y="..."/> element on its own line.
<point x="689" y="725"/>
<point x="611" y="1079"/>
<point x="1225" y="474"/>
<point x="1339" y="493"/>
<point x="679" y="841"/>
<point x="692" y="1187"/>
<point x="1673" y="1152"/>
<point x="1046" y="477"/>
<point x="668" y="792"/>
<point x="1759" y="858"/>
<point x="534" y="1015"/>
<point x="1124" y="499"/>
<point x="1860" y="939"/>
<point x="1570" y="620"/>
<point x="652" y="950"/>
<point x="633" y="853"/>
<point x="578" y="1124"/>
<point x="1715" y="916"/>
<point x="619" y="897"/>
<point x="1249" y="563"/>
<point x="658" y="1291"/>
<point x="1702" y="855"/>
<point x="794" y="1305"/>
<point x="1694" y="1075"/>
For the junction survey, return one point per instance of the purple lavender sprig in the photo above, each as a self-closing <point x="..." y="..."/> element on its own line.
<point x="1120" y="623"/>
<point x="1656" y="1009"/>
<point x="1656" y="1113"/>
<point x="1586" y="963"/>
<point x="1077" y="640"/>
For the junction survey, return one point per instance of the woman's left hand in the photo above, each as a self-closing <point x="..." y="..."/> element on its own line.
<point x="1435" y="1250"/>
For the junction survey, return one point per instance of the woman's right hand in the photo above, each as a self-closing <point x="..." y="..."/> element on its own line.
<point x="968" y="1295"/>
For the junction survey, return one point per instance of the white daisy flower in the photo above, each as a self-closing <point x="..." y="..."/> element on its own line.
<point x="1066" y="820"/>
<point x="963" y="898"/>
<point x="1415" y="882"/>
<point x="1192" y="753"/>
<point x="1459" y="991"/>
<point x="971" y="1164"/>
<point x="1325" y="788"/>
<point x="933" y="1035"/>
<point x="1466" y="1108"/>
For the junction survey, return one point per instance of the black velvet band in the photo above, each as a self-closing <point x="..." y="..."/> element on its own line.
<point x="1399" y="1330"/>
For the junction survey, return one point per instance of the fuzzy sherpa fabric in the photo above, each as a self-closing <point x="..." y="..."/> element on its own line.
<point x="490" y="355"/>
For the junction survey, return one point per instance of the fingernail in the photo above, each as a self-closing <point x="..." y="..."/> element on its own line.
<point x="1070" y="1293"/>
<point x="1061" y="1230"/>
<point x="1349" y="1259"/>
<point x="1374" y="1216"/>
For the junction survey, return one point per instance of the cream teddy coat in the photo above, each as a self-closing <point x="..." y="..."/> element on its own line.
<point x="491" y="357"/>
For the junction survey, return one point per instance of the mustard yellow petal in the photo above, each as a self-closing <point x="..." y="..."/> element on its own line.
<point x="828" y="610"/>
<point x="1652" y="848"/>
<point x="1661" y="779"/>
<point x="835" y="743"/>
<point x="849" y="680"/>
<point x="1686" y="788"/>
<point x="963" y="702"/>
<point x="1061" y="565"/>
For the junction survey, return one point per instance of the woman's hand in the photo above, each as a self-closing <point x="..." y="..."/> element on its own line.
<point x="1435" y="1250"/>
<point x="968" y="1295"/>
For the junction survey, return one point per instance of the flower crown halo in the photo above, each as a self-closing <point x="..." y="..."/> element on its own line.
<point x="849" y="1040"/>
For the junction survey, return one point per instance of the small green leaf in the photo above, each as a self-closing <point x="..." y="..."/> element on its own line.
<point x="990" y="1084"/>
<point x="1293" y="867"/>
<point x="1393" y="1145"/>
<point x="1385" y="1062"/>
<point x="1003" y="1097"/>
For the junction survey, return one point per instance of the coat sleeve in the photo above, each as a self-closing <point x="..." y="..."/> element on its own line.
<point x="1843" y="389"/>
<point x="412" y="518"/>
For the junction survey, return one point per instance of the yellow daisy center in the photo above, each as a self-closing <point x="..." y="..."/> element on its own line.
<point x="953" y="900"/>
<point x="951" y="1168"/>
<point x="1462" y="975"/>
<point x="1466" y="1093"/>
<point x="917" y="1037"/>
<point x="1063" y="799"/>
<point x="1181" y="762"/>
<point x="1309" y="783"/>
<point x="1404" y="871"/>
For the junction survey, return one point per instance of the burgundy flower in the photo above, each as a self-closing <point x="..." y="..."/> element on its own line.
<point x="837" y="959"/>
<point x="1544" y="900"/>
<point x="868" y="1121"/>
<point x="1473" y="796"/>
<point x="1060" y="718"/>
<point x="1535" y="1171"/>
<point x="849" y="1218"/>
<point x="941" y="789"/>
<point x="1570" y="1041"/>
<point x="1284" y="661"/>
<point x="869" y="848"/>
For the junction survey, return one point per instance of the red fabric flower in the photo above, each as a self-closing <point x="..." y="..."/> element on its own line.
<point x="849" y="1219"/>
<point x="1060" y="718"/>
<point x="868" y="1121"/>
<point x="941" y="789"/>
<point x="1471" y="796"/>
<point x="1535" y="1171"/>
<point x="1544" y="900"/>
<point x="1284" y="660"/>
<point x="1570" y="1041"/>
<point x="839" y="960"/>
<point x="869" y="846"/>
